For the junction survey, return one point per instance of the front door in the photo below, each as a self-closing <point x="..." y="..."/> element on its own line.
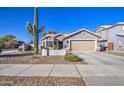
<point x="60" y="45"/>
<point x="110" y="46"/>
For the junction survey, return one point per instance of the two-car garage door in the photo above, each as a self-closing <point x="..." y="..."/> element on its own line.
<point x="82" y="45"/>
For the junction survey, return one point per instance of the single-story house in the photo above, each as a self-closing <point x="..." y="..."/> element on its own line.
<point x="53" y="41"/>
<point x="81" y="40"/>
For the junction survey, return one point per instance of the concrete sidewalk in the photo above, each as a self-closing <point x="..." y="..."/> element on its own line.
<point x="92" y="74"/>
<point x="39" y="70"/>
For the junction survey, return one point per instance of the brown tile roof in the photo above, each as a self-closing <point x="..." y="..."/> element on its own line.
<point x="53" y="35"/>
<point x="49" y="35"/>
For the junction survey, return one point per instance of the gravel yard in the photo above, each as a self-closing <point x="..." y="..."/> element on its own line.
<point x="41" y="81"/>
<point x="31" y="59"/>
<point x="115" y="53"/>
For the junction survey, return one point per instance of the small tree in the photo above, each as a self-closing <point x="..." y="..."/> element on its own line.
<point x="34" y="30"/>
<point x="9" y="41"/>
<point x="13" y="42"/>
<point x="30" y="42"/>
<point x="44" y="34"/>
<point x="1" y="46"/>
<point x="50" y="32"/>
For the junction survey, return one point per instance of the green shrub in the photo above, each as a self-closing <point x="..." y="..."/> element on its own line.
<point x="55" y="47"/>
<point x="1" y="47"/>
<point x="1" y="50"/>
<point x="20" y="49"/>
<point x="42" y="47"/>
<point x="71" y="57"/>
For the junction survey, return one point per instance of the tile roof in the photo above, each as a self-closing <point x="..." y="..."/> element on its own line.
<point x="104" y="27"/>
<point x="80" y="30"/>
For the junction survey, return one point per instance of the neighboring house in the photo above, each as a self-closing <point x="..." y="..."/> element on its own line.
<point x="32" y="45"/>
<point x="112" y="36"/>
<point x="81" y="40"/>
<point x="53" y="41"/>
<point x="20" y="43"/>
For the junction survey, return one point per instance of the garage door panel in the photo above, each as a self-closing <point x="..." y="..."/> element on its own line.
<point x="83" y="45"/>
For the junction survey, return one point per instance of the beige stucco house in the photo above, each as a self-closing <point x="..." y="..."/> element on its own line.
<point x="110" y="36"/>
<point x="81" y="40"/>
<point x="53" y="41"/>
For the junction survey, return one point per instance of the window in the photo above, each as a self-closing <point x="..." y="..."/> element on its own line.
<point x="43" y="43"/>
<point x="123" y="28"/>
<point x="55" y="42"/>
<point x="49" y="44"/>
<point x="100" y="33"/>
<point x="67" y="41"/>
<point x="49" y="38"/>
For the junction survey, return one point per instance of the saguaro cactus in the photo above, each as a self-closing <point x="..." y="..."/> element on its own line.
<point x="34" y="30"/>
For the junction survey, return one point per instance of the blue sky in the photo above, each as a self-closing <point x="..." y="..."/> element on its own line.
<point x="13" y="20"/>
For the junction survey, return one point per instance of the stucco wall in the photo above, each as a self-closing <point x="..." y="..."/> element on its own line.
<point x="103" y="34"/>
<point x="83" y="35"/>
<point x="60" y="37"/>
<point x="54" y="52"/>
<point x="80" y="36"/>
<point x="112" y="36"/>
<point x="120" y="43"/>
<point x="57" y="52"/>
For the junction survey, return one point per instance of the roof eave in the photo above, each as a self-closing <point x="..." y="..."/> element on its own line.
<point x="81" y="30"/>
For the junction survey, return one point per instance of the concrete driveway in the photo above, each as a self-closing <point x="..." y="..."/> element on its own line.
<point x="102" y="68"/>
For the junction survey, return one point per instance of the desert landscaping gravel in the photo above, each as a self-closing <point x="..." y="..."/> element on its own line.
<point x="31" y="59"/>
<point x="41" y="81"/>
